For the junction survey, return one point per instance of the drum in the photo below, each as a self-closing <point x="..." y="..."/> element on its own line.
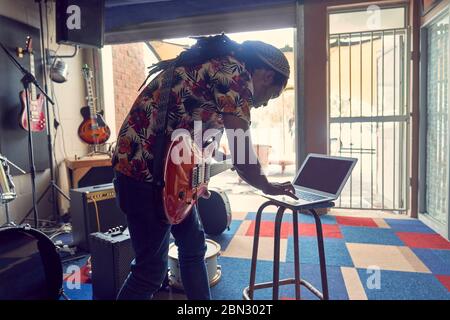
<point x="7" y="190"/>
<point x="30" y="267"/>
<point x="213" y="269"/>
<point x="215" y="212"/>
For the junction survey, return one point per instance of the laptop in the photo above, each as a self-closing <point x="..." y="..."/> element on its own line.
<point x="321" y="178"/>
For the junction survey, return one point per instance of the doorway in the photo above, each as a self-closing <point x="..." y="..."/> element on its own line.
<point x="368" y="56"/>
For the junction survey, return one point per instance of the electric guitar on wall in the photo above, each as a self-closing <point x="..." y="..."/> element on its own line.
<point x="93" y="130"/>
<point x="187" y="171"/>
<point x="37" y="120"/>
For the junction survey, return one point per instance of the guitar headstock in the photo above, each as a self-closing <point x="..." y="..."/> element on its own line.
<point x="28" y="48"/>
<point x="87" y="73"/>
<point x="29" y="45"/>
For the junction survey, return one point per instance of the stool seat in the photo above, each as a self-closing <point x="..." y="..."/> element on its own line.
<point x="248" y="292"/>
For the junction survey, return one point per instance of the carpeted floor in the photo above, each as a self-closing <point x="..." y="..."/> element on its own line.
<point x="367" y="258"/>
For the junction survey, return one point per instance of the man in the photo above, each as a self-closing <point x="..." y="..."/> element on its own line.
<point x="216" y="82"/>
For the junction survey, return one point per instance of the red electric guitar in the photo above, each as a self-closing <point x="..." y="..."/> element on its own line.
<point x="37" y="120"/>
<point x="187" y="171"/>
<point x="93" y="130"/>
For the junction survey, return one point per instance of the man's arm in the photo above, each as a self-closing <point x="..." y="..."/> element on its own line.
<point x="250" y="172"/>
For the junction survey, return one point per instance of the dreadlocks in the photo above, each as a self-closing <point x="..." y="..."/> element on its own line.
<point x="255" y="55"/>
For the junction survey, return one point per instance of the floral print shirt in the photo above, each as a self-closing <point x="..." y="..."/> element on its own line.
<point x="199" y="93"/>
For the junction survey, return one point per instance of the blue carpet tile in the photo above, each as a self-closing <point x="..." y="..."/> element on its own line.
<point x="396" y="285"/>
<point x="422" y="271"/>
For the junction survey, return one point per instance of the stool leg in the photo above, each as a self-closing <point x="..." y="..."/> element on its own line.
<point x="323" y="266"/>
<point x="276" y="253"/>
<point x="255" y="248"/>
<point x="296" y="255"/>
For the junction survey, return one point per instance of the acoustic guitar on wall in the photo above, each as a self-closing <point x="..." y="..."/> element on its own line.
<point x="93" y="130"/>
<point x="37" y="119"/>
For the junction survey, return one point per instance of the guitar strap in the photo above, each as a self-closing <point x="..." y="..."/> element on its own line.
<point x="162" y="120"/>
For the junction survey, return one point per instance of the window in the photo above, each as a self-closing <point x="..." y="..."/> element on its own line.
<point x="437" y="121"/>
<point x="371" y="19"/>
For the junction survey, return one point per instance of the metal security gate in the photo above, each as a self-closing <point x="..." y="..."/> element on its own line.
<point x="369" y="115"/>
<point x="434" y="175"/>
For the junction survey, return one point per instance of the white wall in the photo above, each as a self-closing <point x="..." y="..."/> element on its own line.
<point x="70" y="98"/>
<point x="108" y="90"/>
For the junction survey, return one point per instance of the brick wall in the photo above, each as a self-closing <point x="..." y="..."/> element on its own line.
<point x="129" y="72"/>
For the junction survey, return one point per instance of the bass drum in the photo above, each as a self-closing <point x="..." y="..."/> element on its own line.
<point x="30" y="266"/>
<point x="215" y="212"/>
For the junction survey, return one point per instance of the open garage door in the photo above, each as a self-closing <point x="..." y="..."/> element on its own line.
<point x="139" y="20"/>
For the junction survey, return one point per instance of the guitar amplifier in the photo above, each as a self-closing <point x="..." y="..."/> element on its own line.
<point x="94" y="209"/>
<point x="111" y="255"/>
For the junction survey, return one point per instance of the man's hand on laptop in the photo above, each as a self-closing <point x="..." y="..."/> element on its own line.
<point x="284" y="188"/>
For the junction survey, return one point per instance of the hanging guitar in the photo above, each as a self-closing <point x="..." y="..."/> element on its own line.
<point x="187" y="171"/>
<point x="93" y="130"/>
<point x="37" y="120"/>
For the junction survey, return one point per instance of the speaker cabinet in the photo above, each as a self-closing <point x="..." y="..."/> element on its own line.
<point x="94" y="209"/>
<point x="80" y="22"/>
<point x="111" y="257"/>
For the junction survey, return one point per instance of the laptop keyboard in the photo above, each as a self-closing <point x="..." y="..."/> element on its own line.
<point x="308" y="196"/>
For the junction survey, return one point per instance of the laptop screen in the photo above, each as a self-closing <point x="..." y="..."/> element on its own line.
<point x="323" y="174"/>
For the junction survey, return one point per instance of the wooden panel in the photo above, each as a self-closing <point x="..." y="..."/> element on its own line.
<point x="427" y="5"/>
<point x="433" y="11"/>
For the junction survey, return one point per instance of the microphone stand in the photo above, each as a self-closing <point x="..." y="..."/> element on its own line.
<point x="53" y="186"/>
<point x="52" y="183"/>
<point x="27" y="80"/>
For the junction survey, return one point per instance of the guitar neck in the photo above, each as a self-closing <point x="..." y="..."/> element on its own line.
<point x="32" y="87"/>
<point x="90" y="98"/>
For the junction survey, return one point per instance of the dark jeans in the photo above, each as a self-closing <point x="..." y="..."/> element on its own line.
<point x="150" y="235"/>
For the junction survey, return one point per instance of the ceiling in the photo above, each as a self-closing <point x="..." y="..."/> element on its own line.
<point x="128" y="14"/>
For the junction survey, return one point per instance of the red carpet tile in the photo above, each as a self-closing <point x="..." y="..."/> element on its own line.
<point x="445" y="280"/>
<point x="356" y="222"/>
<point x="268" y="229"/>
<point x="328" y="230"/>
<point x="83" y="275"/>
<point x="423" y="240"/>
<point x="287" y="229"/>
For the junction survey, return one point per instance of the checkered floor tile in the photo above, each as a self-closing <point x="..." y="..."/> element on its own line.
<point x="366" y="258"/>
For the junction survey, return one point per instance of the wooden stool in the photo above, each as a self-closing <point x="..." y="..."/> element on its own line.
<point x="248" y="292"/>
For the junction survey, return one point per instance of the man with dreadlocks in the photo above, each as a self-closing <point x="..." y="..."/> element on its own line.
<point x="217" y="82"/>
